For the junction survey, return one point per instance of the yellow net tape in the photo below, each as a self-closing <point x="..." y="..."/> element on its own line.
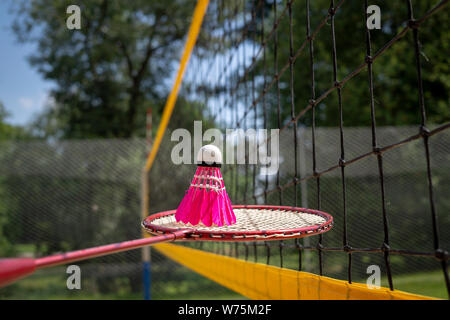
<point x="262" y="282"/>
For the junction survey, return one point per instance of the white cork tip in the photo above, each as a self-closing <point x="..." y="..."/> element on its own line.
<point x="209" y="154"/>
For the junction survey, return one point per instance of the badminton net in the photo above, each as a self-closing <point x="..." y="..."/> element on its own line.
<point x="295" y="66"/>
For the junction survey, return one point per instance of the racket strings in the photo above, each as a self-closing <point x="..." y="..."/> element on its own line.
<point x="253" y="220"/>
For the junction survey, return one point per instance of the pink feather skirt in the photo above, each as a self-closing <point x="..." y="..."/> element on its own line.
<point x="206" y="202"/>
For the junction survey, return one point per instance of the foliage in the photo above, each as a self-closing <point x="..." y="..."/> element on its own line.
<point x="395" y="73"/>
<point x="108" y="73"/>
<point x="8" y="131"/>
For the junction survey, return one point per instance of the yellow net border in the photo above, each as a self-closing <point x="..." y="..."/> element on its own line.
<point x="264" y="282"/>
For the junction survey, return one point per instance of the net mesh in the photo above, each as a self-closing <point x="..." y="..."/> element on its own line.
<point x="284" y="65"/>
<point x="386" y="186"/>
<point x="57" y="196"/>
<point x="48" y="211"/>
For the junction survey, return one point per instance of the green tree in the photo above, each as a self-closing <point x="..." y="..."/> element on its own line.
<point x="111" y="70"/>
<point x="8" y="131"/>
<point x="395" y="75"/>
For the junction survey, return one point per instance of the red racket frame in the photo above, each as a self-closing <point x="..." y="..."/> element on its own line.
<point x="203" y="235"/>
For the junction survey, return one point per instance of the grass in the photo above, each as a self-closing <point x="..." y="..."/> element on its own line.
<point x="51" y="285"/>
<point x="424" y="283"/>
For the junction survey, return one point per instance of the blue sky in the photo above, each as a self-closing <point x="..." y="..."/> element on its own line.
<point x="23" y="91"/>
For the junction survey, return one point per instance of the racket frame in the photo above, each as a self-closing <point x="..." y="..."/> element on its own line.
<point x="257" y="235"/>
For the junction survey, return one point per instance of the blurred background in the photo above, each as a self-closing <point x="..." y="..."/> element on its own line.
<point x="75" y="133"/>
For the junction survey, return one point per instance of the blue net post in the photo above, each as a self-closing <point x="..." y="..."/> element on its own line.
<point x="147" y="279"/>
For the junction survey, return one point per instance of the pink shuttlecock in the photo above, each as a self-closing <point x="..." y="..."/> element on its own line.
<point x="206" y="201"/>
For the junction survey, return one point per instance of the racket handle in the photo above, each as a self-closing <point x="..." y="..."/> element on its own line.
<point x="14" y="269"/>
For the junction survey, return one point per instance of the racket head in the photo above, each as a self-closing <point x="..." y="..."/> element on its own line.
<point x="254" y="223"/>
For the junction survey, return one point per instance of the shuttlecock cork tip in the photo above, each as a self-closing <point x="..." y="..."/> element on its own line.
<point x="209" y="155"/>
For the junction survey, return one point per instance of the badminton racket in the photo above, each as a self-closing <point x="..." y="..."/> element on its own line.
<point x="254" y="223"/>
